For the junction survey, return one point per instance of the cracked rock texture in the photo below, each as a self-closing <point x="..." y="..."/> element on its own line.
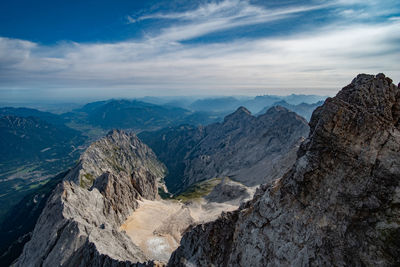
<point x="119" y="152"/>
<point x="338" y="205"/>
<point x="78" y="226"/>
<point x="248" y="149"/>
<point x="228" y="191"/>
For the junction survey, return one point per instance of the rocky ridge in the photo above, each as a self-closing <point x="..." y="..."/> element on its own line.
<point x="339" y="203"/>
<point x="79" y="225"/>
<point x="119" y="152"/>
<point x="248" y="149"/>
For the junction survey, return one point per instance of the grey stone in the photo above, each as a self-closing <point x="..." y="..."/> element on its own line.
<point x="79" y="225"/>
<point x="337" y="206"/>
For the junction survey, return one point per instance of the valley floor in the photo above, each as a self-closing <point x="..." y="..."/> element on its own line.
<point x="157" y="226"/>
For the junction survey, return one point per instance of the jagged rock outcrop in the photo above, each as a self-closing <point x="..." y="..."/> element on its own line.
<point x="337" y="206"/>
<point x="251" y="150"/>
<point x="79" y="225"/>
<point x="228" y="191"/>
<point x="118" y="152"/>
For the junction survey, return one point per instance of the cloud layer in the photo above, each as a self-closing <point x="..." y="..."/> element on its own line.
<point x="317" y="58"/>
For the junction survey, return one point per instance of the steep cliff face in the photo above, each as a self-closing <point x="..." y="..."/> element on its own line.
<point x="119" y="152"/>
<point x="339" y="203"/>
<point x="79" y="225"/>
<point x="248" y="149"/>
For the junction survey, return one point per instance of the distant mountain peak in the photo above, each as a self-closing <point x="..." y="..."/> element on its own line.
<point x="277" y="108"/>
<point x="282" y="113"/>
<point x="242" y="109"/>
<point x="239" y="114"/>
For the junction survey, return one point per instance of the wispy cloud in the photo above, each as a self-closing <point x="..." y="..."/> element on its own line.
<point x="315" y="60"/>
<point x="215" y="17"/>
<point x="130" y="19"/>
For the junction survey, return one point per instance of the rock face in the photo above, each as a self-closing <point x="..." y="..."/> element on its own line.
<point x="337" y="206"/>
<point x="230" y="192"/>
<point x="79" y="225"/>
<point x="119" y="152"/>
<point x="251" y="150"/>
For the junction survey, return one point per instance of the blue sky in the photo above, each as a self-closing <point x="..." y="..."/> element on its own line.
<point x="101" y="49"/>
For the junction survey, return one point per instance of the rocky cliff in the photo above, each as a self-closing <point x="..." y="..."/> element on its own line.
<point x="119" y="152"/>
<point x="251" y="150"/>
<point x="79" y="225"/>
<point x="339" y="203"/>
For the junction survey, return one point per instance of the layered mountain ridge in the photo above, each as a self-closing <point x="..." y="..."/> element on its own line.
<point x="335" y="203"/>
<point x="303" y="109"/>
<point x="79" y="224"/>
<point x="251" y="150"/>
<point x="339" y="203"/>
<point x="32" y="152"/>
<point x="29" y="138"/>
<point x="87" y="215"/>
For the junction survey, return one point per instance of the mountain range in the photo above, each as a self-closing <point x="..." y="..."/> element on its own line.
<point x="136" y="115"/>
<point x="33" y="151"/>
<point x="216" y="166"/>
<point x="303" y="109"/>
<point x="37" y="145"/>
<point x="110" y="164"/>
<point x="248" y="149"/>
<point x="338" y="204"/>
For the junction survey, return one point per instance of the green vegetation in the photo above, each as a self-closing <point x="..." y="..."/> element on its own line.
<point x="198" y="190"/>
<point x="86" y="180"/>
<point x="21" y="218"/>
<point x="163" y="194"/>
<point x="11" y="169"/>
<point x="36" y="185"/>
<point x="21" y="187"/>
<point x="90" y="131"/>
<point x="17" y="187"/>
<point x="115" y="164"/>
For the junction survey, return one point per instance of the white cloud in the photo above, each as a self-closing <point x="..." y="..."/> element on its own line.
<point x="228" y="14"/>
<point x="130" y="20"/>
<point x="319" y="60"/>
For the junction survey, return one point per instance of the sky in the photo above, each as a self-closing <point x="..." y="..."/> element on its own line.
<point x="71" y="50"/>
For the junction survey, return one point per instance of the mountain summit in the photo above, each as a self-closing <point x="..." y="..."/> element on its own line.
<point x="249" y="149"/>
<point x="339" y="203"/>
<point x="78" y="225"/>
<point x="240" y="114"/>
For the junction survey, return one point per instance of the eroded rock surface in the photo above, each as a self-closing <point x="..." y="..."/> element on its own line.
<point x="337" y="206"/>
<point x="157" y="226"/>
<point x="79" y="225"/>
<point x="228" y="191"/>
<point x="119" y="152"/>
<point x="248" y="149"/>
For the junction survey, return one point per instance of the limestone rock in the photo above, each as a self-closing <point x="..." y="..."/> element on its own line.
<point x="119" y="151"/>
<point x="248" y="149"/>
<point x="79" y="225"/>
<point x="337" y="206"/>
<point x="228" y="191"/>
